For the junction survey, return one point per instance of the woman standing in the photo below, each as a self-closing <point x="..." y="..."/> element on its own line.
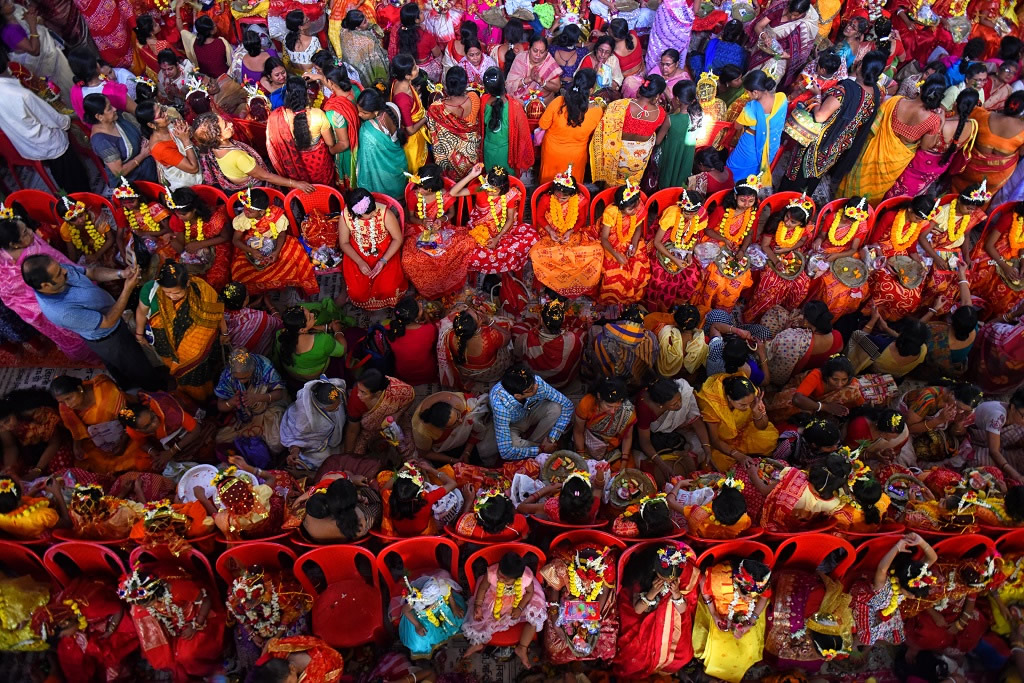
<point x="673" y="22"/>
<point x="997" y="147"/>
<point x="343" y="116"/>
<point x="381" y="163"/>
<point x="210" y="53"/>
<point x="567" y="51"/>
<point x="272" y="81"/>
<point x="408" y="38"/>
<point x="507" y="140"/>
<point x="761" y="122"/>
<point x="406" y="97"/>
<point x="203" y="239"/>
<point x="300" y="139"/>
<point x="685" y="120"/>
<point x="361" y="46"/>
<point x="902" y="126"/>
<point x="117" y="141"/>
<point x="299" y="44"/>
<point x="454" y="126"/>
<point x="534" y="74"/>
<point x="36" y="50"/>
<point x="569" y="121"/>
<point x="789" y="25"/>
<point x="630" y="54"/>
<point x="186" y="319"/>
<point x="371" y="237"/>
<point x="629" y="130"/>
<point x="248" y="61"/>
<point x="86" y="68"/>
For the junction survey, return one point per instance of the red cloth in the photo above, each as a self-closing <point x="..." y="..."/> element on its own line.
<point x="419" y="521"/>
<point x="469" y="526"/>
<point x="416" y="355"/>
<point x="642" y="637"/>
<point x="551" y="510"/>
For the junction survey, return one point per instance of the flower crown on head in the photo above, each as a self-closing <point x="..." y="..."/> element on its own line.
<point x="565" y="178"/>
<point x="751" y="182"/>
<point x="708" y="78"/>
<point x="802" y="202"/>
<point x="632" y="190"/>
<point x="125" y="190"/>
<point x="245" y="199"/>
<point x="411" y="473"/>
<point x="416" y="179"/>
<point x="362" y="206"/>
<point x="923" y="579"/>
<point x="253" y="92"/>
<point x="6" y="211"/>
<point x="161" y="511"/>
<point x="730" y="481"/>
<point x="484" y="496"/>
<point x="222" y="476"/>
<point x="250" y="585"/>
<point x="137" y="587"/>
<point x="747" y="582"/>
<point x="195" y="85"/>
<point x="857" y="213"/>
<point x="72" y="209"/>
<point x="671" y="557"/>
<point x="931" y="214"/>
<point x="978" y="195"/>
<point x="7" y="485"/>
<point x="169" y="200"/>
<point x="592" y="568"/>
<point x="142" y="80"/>
<point x="582" y="475"/>
<point x="686" y="202"/>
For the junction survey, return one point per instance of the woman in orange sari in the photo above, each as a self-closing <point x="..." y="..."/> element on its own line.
<point x="185" y="317"/>
<point x="300" y="140"/>
<point x="997" y="147"/>
<point x="371" y="238"/>
<point x="567" y="259"/>
<point x="627" y="265"/>
<point x="90" y="410"/>
<point x="454" y="124"/>
<point x="847" y="230"/>
<point x="898" y="232"/>
<point x="732" y="226"/>
<point x="997" y="274"/>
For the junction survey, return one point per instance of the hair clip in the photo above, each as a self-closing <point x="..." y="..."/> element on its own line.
<point x="362" y="206"/>
<point x="416" y="179"/>
<point x="687" y="204"/>
<point x="6" y="211"/>
<point x="978" y="195"/>
<point x="142" y="80"/>
<point x="169" y="200"/>
<point x="7" y="485"/>
<point x="72" y="209"/>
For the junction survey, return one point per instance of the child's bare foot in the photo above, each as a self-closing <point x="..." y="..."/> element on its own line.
<point x="472" y="651"/>
<point x="523" y="656"/>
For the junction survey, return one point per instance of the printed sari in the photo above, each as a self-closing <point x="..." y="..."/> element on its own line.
<point x="623" y="349"/>
<point x="314" y="165"/>
<point x="796" y="38"/>
<point x="435" y="252"/>
<point x="212" y="264"/>
<point x="604" y="431"/>
<point x="325" y="663"/>
<point x="457" y="142"/>
<point x="108" y="401"/>
<point x="412" y="111"/>
<point x="726" y="656"/>
<point x="343" y="115"/>
<point x="624" y="283"/>
<point x="568" y="641"/>
<point x="789" y="352"/>
<point x="252" y="419"/>
<point x="290" y="268"/>
<point x="476" y="373"/>
<point x="185" y="334"/>
<point x="554" y="357"/>
<point x="927" y="165"/>
<point x="613" y="159"/>
<point x="986" y="282"/>
<point x="513" y="250"/>
<point x="395" y="402"/>
<point x="362" y="50"/>
<point x="997" y="359"/>
<point x="573" y="267"/>
<point x="792" y="504"/>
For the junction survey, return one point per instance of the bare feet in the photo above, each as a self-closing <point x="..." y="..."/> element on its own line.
<point x="523" y="656"/>
<point x="472" y="651"/>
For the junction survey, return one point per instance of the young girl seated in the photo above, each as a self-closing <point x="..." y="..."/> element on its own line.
<point x="726" y="516"/>
<point x="149" y="222"/>
<point x="491" y="516"/>
<point x="27" y="516"/>
<point x="508" y="594"/>
<point x="95" y="516"/>
<point x="245" y="511"/>
<point x="433" y="610"/>
<point x="651" y="517"/>
<point x="576" y="501"/>
<point x="502" y="242"/>
<point x="409" y="499"/>
<point x="627" y="264"/>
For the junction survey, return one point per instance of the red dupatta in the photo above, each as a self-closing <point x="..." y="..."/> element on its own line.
<point x="658" y="641"/>
<point x="325" y="663"/>
<point x="521" y="153"/>
<point x="346" y="108"/>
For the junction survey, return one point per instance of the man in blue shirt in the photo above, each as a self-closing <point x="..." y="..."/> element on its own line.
<point x="69" y="298"/>
<point x="529" y="415"/>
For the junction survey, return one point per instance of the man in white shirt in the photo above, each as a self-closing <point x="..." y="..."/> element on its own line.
<point x="39" y="132"/>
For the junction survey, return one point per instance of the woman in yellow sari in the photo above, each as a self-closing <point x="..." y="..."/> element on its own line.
<point x="185" y="317"/>
<point x="738" y="427"/>
<point x="624" y="140"/>
<point x="405" y="96"/>
<point x="90" y="410"/>
<point x="901" y="127"/>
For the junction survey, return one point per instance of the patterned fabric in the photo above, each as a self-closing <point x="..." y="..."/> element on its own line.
<point x="506" y="411"/>
<point x="554" y="357"/>
<point x="290" y="268"/>
<point x="513" y="248"/>
<point x="435" y="270"/>
<point x="458" y="142"/>
<point x="314" y="165"/>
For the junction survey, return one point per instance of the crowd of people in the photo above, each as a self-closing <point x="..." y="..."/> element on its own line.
<point x="729" y="293"/>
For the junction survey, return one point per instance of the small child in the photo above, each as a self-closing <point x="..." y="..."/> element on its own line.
<point x="577" y="501"/>
<point x="490" y="515"/>
<point x="511" y="595"/>
<point x="433" y="610"/>
<point x="409" y="500"/>
<point x="725" y="517"/>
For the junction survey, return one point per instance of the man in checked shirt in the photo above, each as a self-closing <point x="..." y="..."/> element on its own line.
<point x="529" y="414"/>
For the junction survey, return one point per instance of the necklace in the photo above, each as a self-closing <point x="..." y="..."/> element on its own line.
<point x="96" y="238"/>
<point x="847" y="236"/>
<point x="493" y="206"/>
<point x="784" y="239"/>
<point x="148" y="224"/>
<point x="369" y="233"/>
<point x="579" y="589"/>
<point x="1016" y="235"/>
<point x="503" y="590"/>
<point x="956" y="227"/>
<point x="564" y="218"/>
<point x="685" y="238"/>
<point x="727" y="222"/>
<point x="894" y="601"/>
<point x="900" y="236"/>
<point x="199" y="237"/>
<point x="626" y="238"/>
<point x="421" y="205"/>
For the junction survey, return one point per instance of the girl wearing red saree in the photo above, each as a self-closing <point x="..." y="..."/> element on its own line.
<point x="502" y="242"/>
<point x="656" y="611"/>
<point x="998" y="269"/>
<point x="456" y="132"/>
<point x="201" y="238"/>
<point x="946" y="244"/>
<point x="436" y="252"/>
<point x="370" y="237"/>
<point x="308" y="657"/>
<point x="800" y="497"/>
<point x="300" y="139"/>
<point x="267" y="258"/>
<point x="783" y="245"/>
<point x="178" y="618"/>
<point x="95" y="635"/>
<point x="898" y="232"/>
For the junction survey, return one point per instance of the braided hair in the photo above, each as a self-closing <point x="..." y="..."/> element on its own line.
<point x="296" y="98"/>
<point x="494" y="85"/>
<point x="966" y="101"/>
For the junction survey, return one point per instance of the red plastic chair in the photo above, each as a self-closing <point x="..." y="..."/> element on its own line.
<point x="828" y="212"/>
<point x="14" y="159"/>
<point x="808" y="550"/>
<point x="714" y="201"/>
<point x="519" y="204"/>
<point x="353" y="591"/>
<point x="19" y="560"/>
<point x="256" y="553"/>
<point x="95" y="203"/>
<point x="581" y="536"/>
<point x="211" y="195"/>
<point x="676" y="535"/>
<point x="750" y="534"/>
<point x="193" y="560"/>
<point x="1011" y="542"/>
<point x="301" y="541"/>
<point x="242" y="25"/>
<point x="491" y="555"/>
<point x="64" y="560"/>
<point x="739" y="549"/>
<point x="777" y="202"/>
<point x="394" y="205"/>
<point x="661" y="200"/>
<point x="324" y="199"/>
<point x="152" y="192"/>
<point x="544" y="187"/>
<point x="603" y="199"/>
<point x="560" y="527"/>
<point x="868" y="556"/>
<point x="722" y="135"/>
<point x="116" y="544"/>
<point x="272" y="538"/>
<point x="995" y="216"/>
<point x="467" y="540"/>
<point x="886" y="205"/>
<point x="779" y="536"/>
<point x="884" y="529"/>
<point x="969" y="546"/>
<point x="413" y="557"/>
<point x="40" y="206"/>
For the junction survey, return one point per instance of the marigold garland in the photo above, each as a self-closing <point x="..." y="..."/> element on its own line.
<point x="564" y="220"/>
<point x="421" y="205"/>
<point x="81" y="621"/>
<point x="501" y="590"/>
<point x="97" y="238"/>
<point x="200" y="236"/>
<point x="784" y="239"/>
<point x="848" y="237"/>
<point x="894" y="601"/>
<point x="686" y="239"/>
<point x="956" y="227"/>
<point x="149" y="224"/>
<point x="1016" y="235"/>
<point x="625" y="238"/>
<point x="900" y="238"/>
<point x="740" y="234"/>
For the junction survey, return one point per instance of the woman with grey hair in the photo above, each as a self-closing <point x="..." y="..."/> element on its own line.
<point x="251" y="390"/>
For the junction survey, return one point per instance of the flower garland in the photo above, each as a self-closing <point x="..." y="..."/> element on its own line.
<point x="745" y="226"/>
<point x="576" y="585"/>
<point x="97" y="238"/>
<point x="848" y="237"/>
<point x="199" y="231"/>
<point x="954" y="232"/>
<point x="148" y="223"/>
<point x="421" y="205"/>
<point x="900" y="237"/>
<point x="369" y="233"/>
<point x="82" y="623"/>
<point x="514" y="589"/>
<point x="1016" y="235"/>
<point x="624" y="238"/>
<point x="784" y="239"/>
<point x="685" y="240"/>
<point x="492" y="206"/>
<point x="572" y="7"/>
<point x="274" y="232"/>
<point x="894" y="601"/>
<point x="564" y="220"/>
<point x="434" y="613"/>
<point x="173" y="617"/>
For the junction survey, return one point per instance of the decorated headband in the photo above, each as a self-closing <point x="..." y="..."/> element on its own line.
<point x="6" y="211"/>
<point x="566" y="178"/>
<point x="224" y="476"/>
<point x="631" y="190"/>
<point x="138" y="588"/>
<point x="828" y="654"/>
<point x="245" y="198"/>
<point x="708" y="77"/>
<point x="72" y="209"/>
<point x="412" y="474"/>
<point x="747" y="582"/>
<point x="83" y="489"/>
<point x="923" y="579"/>
<point x="362" y="206"/>
<point x="161" y="510"/>
<point x="195" y="85"/>
<point x="931" y="213"/>
<point x="125" y="190"/>
<point x="671" y="557"/>
<point x="979" y="195"/>
<point x="859" y="212"/>
<point x="593" y="568"/>
<point x="250" y="585"/>
<point x="7" y="485"/>
<point x="417" y="179"/>
<point x="582" y="475"/>
<point x="252" y="92"/>
<point x="686" y="202"/>
<point x="142" y="80"/>
<point x="435" y="88"/>
<point x="802" y="202"/>
<point x="752" y="182"/>
<point x="169" y="200"/>
<point x="730" y="481"/>
<point x="484" y="496"/>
